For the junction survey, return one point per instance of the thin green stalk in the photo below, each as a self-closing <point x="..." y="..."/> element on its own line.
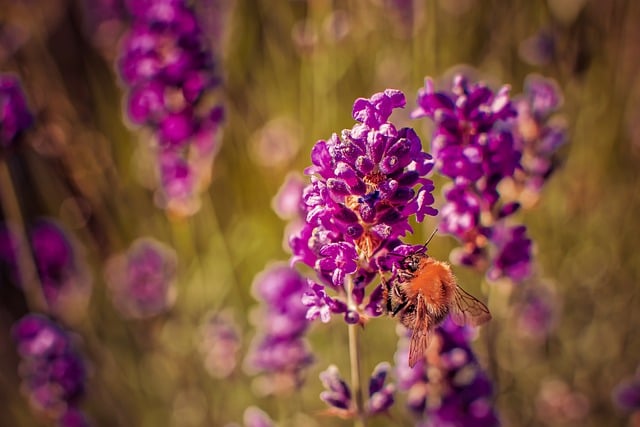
<point x="28" y="274"/>
<point x="354" y="361"/>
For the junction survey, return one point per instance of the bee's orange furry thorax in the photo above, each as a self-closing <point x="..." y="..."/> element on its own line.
<point x="435" y="281"/>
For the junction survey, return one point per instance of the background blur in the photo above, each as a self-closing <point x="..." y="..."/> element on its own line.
<point x="292" y="70"/>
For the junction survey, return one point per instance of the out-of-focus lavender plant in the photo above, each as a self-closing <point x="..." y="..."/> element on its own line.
<point x="338" y="394"/>
<point x="219" y="344"/>
<point x="558" y="404"/>
<point x="279" y="350"/>
<point x="171" y="76"/>
<point x="626" y="394"/>
<point x="15" y="116"/>
<point x="537" y="310"/>
<point x="53" y="372"/>
<point x="474" y="147"/>
<point x="60" y="264"/>
<point x="254" y="417"/>
<point x="141" y="280"/>
<point x="539" y="132"/>
<point x="626" y="397"/>
<point x="61" y="274"/>
<point x="539" y="49"/>
<point x="448" y="388"/>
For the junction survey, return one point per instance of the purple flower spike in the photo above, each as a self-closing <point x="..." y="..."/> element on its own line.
<point x="626" y="395"/>
<point x="380" y="395"/>
<point x="365" y="186"/>
<point x="255" y="417"/>
<point x="220" y="344"/>
<point x="73" y="418"/>
<point x="53" y="373"/>
<point x="337" y="393"/>
<point x="141" y="280"/>
<point x="453" y="390"/>
<point x="15" y="116"/>
<point x="59" y="263"/>
<point x="279" y="348"/>
<point x="167" y="66"/>
<point x="514" y="253"/>
<point x="475" y="146"/>
<point x="540" y="132"/>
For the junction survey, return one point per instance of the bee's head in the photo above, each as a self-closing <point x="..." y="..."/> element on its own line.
<point x="412" y="262"/>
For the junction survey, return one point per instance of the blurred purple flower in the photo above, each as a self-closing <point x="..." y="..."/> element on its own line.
<point x="59" y="263"/>
<point x="15" y="116"/>
<point x="220" y="343"/>
<point x="513" y="258"/>
<point x="73" y="417"/>
<point x="365" y="186"/>
<point x="171" y="75"/>
<point x="540" y="133"/>
<point x="255" y="417"/>
<point x="449" y="387"/>
<point x="475" y="147"/>
<point x="287" y="203"/>
<point x="626" y="394"/>
<point x="141" y="280"/>
<point x="540" y="49"/>
<point x="279" y="348"/>
<point x="53" y="373"/>
<point x="537" y="312"/>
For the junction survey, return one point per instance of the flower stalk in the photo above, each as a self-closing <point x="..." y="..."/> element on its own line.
<point x="354" y="360"/>
<point x="27" y="271"/>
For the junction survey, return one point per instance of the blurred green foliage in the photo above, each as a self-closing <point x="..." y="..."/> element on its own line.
<point x="303" y="63"/>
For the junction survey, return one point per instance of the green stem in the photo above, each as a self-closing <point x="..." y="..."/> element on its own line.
<point x="28" y="274"/>
<point x="354" y="361"/>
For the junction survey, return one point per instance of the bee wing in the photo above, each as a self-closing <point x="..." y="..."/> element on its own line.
<point x="420" y="333"/>
<point x="467" y="309"/>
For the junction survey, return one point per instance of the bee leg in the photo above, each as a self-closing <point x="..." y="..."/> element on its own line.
<point x="399" y="308"/>
<point x="386" y="292"/>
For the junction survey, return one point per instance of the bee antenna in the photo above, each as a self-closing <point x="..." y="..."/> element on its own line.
<point x="435" y="230"/>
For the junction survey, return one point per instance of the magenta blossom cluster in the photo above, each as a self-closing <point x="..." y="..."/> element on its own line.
<point x="448" y="388"/>
<point x="365" y="186"/>
<point x="171" y="76"/>
<point x="53" y="372"/>
<point x="58" y="261"/>
<point x="141" y="280"/>
<point x="474" y="147"/>
<point x="279" y="349"/>
<point x="220" y="344"/>
<point x="255" y="417"/>
<point x="626" y="394"/>
<point x="15" y="116"/>
<point x="539" y="132"/>
<point x="337" y="393"/>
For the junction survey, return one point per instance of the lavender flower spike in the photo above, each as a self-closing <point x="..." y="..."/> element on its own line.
<point x="15" y="116"/>
<point x="365" y="185"/>
<point x="475" y="147"/>
<point x="53" y="373"/>
<point x="279" y="349"/>
<point x="141" y="280"/>
<point x="338" y="396"/>
<point x="170" y="74"/>
<point x="452" y="390"/>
